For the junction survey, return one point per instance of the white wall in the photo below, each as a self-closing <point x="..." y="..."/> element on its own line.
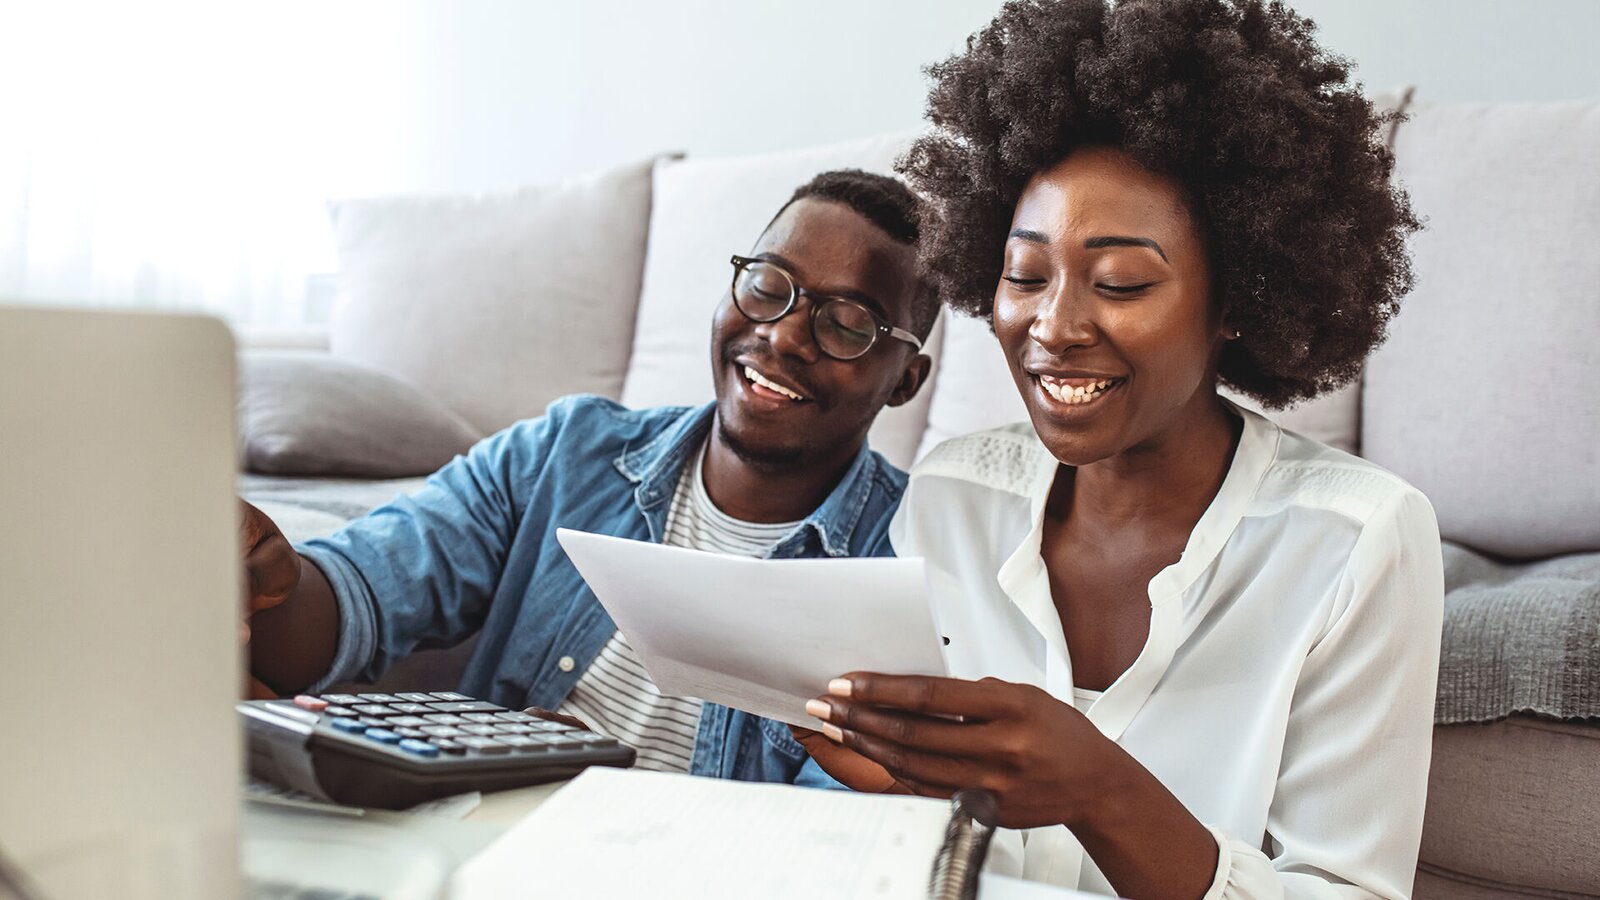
<point x="178" y="152"/>
<point x="498" y="92"/>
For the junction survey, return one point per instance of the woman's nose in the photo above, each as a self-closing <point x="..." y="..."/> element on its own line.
<point x="1062" y="321"/>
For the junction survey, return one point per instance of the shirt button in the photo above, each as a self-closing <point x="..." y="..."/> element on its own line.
<point x="566" y="664"/>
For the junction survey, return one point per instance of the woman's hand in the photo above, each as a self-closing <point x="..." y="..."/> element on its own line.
<point x="1043" y="760"/>
<point x="846" y="766"/>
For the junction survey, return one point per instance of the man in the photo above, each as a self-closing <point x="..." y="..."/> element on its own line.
<point x="821" y="329"/>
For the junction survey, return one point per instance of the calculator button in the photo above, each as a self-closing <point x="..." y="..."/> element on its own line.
<point x="550" y="727"/>
<point x="350" y="725"/>
<point x="373" y="722"/>
<point x="410" y="733"/>
<point x="416" y="698"/>
<point x="408" y="721"/>
<point x="558" y="741"/>
<point x="512" y="728"/>
<point x="442" y="731"/>
<point x="306" y="701"/>
<point x="524" y="744"/>
<point x="345" y="711"/>
<point x="414" y="709"/>
<point x="375" y="709"/>
<point x="480" y="729"/>
<point x="465" y="706"/>
<point x="383" y="736"/>
<point x="420" y="748"/>
<point x="448" y="745"/>
<point x="484" y="745"/>
<point x="598" y="741"/>
<point x="445" y="719"/>
<point x="482" y="718"/>
<point x="448" y="695"/>
<point x="342" y="699"/>
<point x="378" y="698"/>
<point x="515" y="717"/>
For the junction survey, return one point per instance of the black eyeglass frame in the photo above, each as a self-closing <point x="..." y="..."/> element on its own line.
<point x="818" y="301"/>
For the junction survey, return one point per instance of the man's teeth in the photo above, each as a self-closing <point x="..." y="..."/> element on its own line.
<point x="1070" y="394"/>
<point x="755" y="377"/>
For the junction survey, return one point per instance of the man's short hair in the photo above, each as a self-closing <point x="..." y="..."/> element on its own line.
<point x="887" y="203"/>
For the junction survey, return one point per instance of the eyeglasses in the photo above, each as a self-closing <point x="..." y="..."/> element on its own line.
<point x="843" y="329"/>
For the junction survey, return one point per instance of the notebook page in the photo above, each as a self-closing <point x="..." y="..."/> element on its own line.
<point x="626" y="833"/>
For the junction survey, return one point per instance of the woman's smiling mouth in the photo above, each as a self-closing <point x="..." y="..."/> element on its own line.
<point x="1077" y="391"/>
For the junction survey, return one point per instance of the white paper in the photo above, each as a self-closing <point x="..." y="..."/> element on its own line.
<point x="628" y="833"/>
<point x="759" y="635"/>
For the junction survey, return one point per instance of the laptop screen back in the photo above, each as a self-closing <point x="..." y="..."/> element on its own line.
<point x="119" y="609"/>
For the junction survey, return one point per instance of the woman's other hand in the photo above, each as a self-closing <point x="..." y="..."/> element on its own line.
<point x="1044" y="761"/>
<point x="846" y="766"/>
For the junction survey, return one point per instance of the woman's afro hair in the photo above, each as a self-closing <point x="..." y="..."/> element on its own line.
<point x="1282" y="158"/>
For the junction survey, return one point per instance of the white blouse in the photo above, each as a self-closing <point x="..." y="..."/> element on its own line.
<point x="1285" y="691"/>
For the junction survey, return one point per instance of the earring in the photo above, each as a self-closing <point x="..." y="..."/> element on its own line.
<point x="1236" y="335"/>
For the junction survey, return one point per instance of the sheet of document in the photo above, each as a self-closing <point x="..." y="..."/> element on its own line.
<point x="628" y="833"/>
<point x="763" y="636"/>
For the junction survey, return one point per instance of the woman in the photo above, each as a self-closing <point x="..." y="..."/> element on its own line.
<point x="1215" y="642"/>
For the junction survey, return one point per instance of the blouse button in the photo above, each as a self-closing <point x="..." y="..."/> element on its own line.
<point x="566" y="664"/>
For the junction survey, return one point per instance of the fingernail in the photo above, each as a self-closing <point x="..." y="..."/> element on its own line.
<point x="833" y="733"/>
<point x="819" y="708"/>
<point x="839" y="687"/>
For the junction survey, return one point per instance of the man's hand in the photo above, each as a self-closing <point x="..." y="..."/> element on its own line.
<point x="539" y="712"/>
<point x="271" y="567"/>
<point x="271" y="573"/>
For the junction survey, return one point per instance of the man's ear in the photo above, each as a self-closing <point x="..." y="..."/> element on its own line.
<point x="916" y="372"/>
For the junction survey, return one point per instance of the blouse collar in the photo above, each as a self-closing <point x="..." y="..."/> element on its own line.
<point x="1026" y="582"/>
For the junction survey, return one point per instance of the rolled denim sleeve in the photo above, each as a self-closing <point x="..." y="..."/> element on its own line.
<point x="421" y="571"/>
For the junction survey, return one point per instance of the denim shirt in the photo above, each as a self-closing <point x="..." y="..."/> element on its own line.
<point x="475" y="551"/>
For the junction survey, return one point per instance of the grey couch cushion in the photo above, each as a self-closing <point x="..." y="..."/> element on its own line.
<point x="1519" y="638"/>
<point x="1485" y="396"/>
<point x="308" y="414"/>
<point x="1512" y="811"/>
<point x="496" y="304"/>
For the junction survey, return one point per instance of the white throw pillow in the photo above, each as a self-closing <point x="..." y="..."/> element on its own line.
<point x="703" y="211"/>
<point x="495" y="304"/>
<point x="1487" y="395"/>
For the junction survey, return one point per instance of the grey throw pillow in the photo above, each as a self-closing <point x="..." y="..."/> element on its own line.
<point x="310" y="414"/>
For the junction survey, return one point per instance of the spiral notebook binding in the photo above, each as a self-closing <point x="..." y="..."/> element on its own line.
<point x="973" y="814"/>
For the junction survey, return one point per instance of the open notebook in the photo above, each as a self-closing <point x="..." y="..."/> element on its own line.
<point x="628" y="833"/>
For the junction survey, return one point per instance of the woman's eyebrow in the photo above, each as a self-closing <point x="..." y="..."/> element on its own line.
<point x="1029" y="235"/>
<point x="1096" y="243"/>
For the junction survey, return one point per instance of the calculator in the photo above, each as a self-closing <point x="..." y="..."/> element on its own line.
<point x="393" y="751"/>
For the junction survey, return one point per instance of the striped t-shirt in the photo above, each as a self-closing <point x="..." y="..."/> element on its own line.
<point x="615" y="697"/>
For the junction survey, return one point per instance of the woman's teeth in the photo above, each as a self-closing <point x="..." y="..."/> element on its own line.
<point x="1073" y="394"/>
<point x="755" y="378"/>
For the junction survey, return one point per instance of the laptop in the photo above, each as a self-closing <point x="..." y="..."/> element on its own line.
<point x="119" y="584"/>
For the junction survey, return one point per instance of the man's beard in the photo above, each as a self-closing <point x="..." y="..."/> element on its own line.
<point x="762" y="458"/>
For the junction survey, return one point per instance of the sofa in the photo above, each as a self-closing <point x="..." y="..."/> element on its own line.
<point x="460" y="315"/>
